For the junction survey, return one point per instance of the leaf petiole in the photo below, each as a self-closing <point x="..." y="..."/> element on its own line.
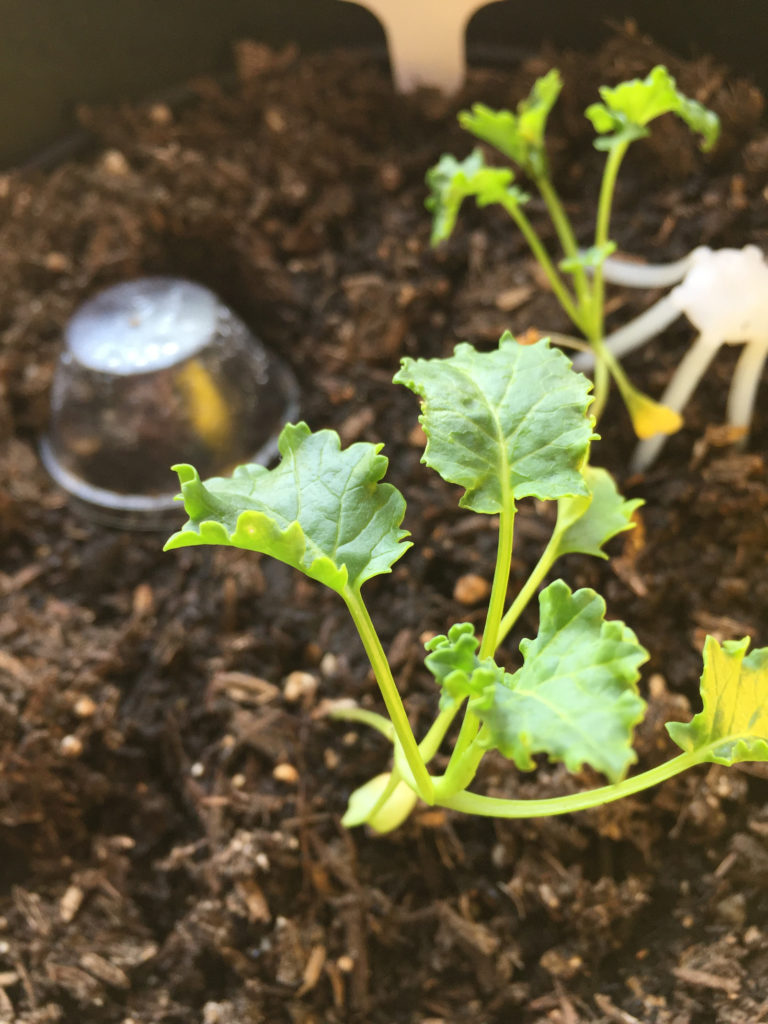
<point x="522" y="598"/>
<point x="467" y="736"/>
<point x="462" y="766"/>
<point x="431" y="742"/>
<point x="422" y="781"/>
<point x="565" y="233"/>
<point x="501" y="807"/>
<point x="379" y="723"/>
<point x="491" y="634"/>
<point x="501" y="572"/>
<point x="602" y="230"/>
<point x="436" y="733"/>
<point x="542" y="257"/>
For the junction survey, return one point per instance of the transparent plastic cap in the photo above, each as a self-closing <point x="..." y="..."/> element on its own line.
<point x="154" y="372"/>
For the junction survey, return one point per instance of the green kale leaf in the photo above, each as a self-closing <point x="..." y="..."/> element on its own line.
<point x="628" y="108"/>
<point x="322" y="510"/>
<point x="504" y="424"/>
<point x="519" y="136"/>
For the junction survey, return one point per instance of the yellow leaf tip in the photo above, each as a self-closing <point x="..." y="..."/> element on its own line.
<point x="650" y="417"/>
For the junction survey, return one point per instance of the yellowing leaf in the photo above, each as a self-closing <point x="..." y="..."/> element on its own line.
<point x="733" y="724"/>
<point x="361" y="809"/>
<point x="650" y="417"/>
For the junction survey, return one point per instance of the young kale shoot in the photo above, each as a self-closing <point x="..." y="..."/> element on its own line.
<point x="577" y="280"/>
<point x="503" y="425"/>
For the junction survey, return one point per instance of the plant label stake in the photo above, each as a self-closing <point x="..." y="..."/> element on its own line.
<point x="425" y="40"/>
<point x="723" y="293"/>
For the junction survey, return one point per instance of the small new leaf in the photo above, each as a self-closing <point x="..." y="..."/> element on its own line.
<point x="588" y="259"/>
<point x="733" y="724"/>
<point x="588" y="524"/>
<point x="505" y="424"/>
<point x="575" y="698"/>
<point x="321" y="510"/>
<point x="451" y="181"/>
<point x="628" y="108"/>
<point x="453" y="662"/>
<point x="519" y="136"/>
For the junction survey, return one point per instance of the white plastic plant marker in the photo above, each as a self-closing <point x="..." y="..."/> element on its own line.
<point x="724" y="294"/>
<point x="425" y="40"/>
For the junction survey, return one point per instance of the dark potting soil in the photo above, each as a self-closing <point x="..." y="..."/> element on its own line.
<point x="170" y="788"/>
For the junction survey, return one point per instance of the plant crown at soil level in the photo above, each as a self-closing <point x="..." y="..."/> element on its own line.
<point x="621" y="118"/>
<point x="502" y="425"/>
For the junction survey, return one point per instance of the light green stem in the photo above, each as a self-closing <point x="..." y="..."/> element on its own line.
<point x="595" y="327"/>
<point x="602" y="385"/>
<point x="541" y="255"/>
<point x="436" y="733"/>
<point x="490" y="641"/>
<point x="500" y="583"/>
<point x="365" y="717"/>
<point x="427" y="748"/>
<point x="499" y="807"/>
<point x="431" y="742"/>
<point x="467" y="735"/>
<point x="602" y="230"/>
<point x="567" y="237"/>
<point x="529" y="588"/>
<point x="461" y="770"/>
<point x="393" y="701"/>
<point x="606" y="363"/>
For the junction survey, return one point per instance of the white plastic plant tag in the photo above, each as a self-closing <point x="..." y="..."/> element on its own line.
<point x="425" y="39"/>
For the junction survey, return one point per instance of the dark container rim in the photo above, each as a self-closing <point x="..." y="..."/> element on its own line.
<point x="54" y="55"/>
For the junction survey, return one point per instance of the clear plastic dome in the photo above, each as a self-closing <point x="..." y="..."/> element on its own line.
<point x="154" y="372"/>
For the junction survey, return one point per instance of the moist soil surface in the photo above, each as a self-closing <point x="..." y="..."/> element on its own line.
<point x="171" y="787"/>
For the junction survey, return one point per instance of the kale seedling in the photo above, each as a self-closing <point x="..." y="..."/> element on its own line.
<point x="577" y="280"/>
<point x="503" y="425"/>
